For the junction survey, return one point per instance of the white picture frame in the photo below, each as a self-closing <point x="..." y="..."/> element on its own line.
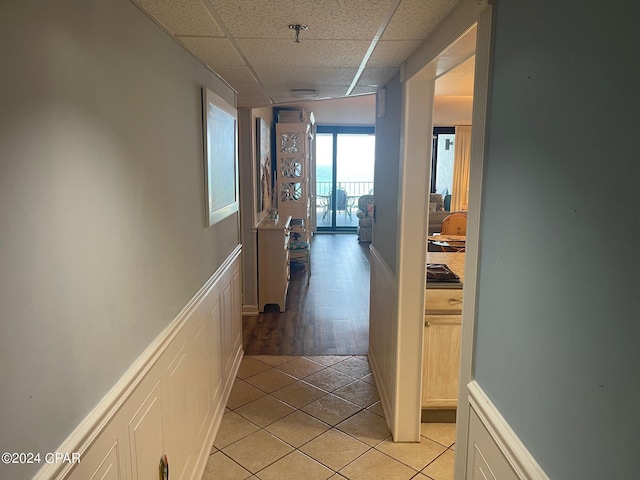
<point x="220" y="135"/>
<point x="263" y="188"/>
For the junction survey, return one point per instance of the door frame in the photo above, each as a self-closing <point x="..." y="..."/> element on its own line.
<point x="419" y="74"/>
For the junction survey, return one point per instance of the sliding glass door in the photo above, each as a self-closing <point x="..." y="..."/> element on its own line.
<point x="344" y="172"/>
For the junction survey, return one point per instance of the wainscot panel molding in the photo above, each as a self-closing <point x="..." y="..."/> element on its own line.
<point x="172" y="398"/>
<point x="494" y="451"/>
<point x="383" y="333"/>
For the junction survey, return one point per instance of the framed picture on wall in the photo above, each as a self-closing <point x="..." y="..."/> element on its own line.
<point x="263" y="167"/>
<point x="220" y="122"/>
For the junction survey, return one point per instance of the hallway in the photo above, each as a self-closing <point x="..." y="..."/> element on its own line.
<point x="330" y="316"/>
<point x="304" y="405"/>
<point x="317" y="418"/>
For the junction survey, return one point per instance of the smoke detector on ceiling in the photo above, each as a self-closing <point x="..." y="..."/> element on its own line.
<point x="304" y="93"/>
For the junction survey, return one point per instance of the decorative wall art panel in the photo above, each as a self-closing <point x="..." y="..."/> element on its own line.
<point x="291" y="167"/>
<point x="290" y="142"/>
<point x="290" y="192"/>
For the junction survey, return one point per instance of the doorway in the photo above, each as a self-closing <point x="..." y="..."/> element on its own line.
<point x="343" y="173"/>
<point x="418" y="108"/>
<point x="402" y="283"/>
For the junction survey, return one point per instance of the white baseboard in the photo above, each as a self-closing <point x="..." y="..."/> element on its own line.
<point x="493" y="443"/>
<point x="147" y="410"/>
<point x="249" y="310"/>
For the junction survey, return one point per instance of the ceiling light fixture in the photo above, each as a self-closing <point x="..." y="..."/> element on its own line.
<point x="304" y="92"/>
<point x="297" y="27"/>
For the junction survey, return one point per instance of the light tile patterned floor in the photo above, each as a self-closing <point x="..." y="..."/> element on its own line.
<point x="318" y="418"/>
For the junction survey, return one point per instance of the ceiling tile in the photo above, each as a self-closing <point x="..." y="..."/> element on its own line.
<point x="310" y="53"/>
<point x="252" y="102"/>
<point x="248" y="42"/>
<point x="299" y="75"/>
<point x="362" y="90"/>
<point x="234" y="73"/>
<point x="248" y="89"/>
<point x="416" y="19"/>
<point x="392" y="53"/>
<point x="377" y="76"/>
<point x="280" y="93"/>
<point x="212" y="51"/>
<point x="328" y="19"/>
<point x="182" y="17"/>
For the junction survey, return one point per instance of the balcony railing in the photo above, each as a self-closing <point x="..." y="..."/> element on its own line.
<point x="353" y="189"/>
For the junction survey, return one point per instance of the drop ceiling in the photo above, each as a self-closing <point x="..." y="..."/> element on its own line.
<point x="351" y="47"/>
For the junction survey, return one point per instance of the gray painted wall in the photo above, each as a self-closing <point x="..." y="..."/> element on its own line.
<point x="103" y="238"/>
<point x="557" y="326"/>
<point x="386" y="175"/>
<point x="358" y="110"/>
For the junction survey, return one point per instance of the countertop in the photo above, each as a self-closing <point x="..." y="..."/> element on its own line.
<point x="455" y="262"/>
<point x="280" y="224"/>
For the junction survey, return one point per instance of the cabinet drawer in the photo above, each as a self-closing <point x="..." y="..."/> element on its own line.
<point x="442" y="300"/>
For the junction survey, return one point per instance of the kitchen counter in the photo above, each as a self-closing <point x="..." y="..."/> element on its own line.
<point x="441" y="349"/>
<point x="455" y="262"/>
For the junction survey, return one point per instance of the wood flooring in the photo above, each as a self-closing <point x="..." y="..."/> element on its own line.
<point x="329" y="316"/>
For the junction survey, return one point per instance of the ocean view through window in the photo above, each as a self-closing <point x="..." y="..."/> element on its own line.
<point x="344" y="172"/>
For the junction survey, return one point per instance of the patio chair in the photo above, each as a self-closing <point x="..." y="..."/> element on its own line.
<point x="342" y="203"/>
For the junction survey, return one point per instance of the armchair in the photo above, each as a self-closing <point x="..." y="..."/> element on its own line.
<point x="365" y="218"/>
<point x="437" y="212"/>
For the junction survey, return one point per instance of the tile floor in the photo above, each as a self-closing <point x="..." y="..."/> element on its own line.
<point x="317" y="418"/>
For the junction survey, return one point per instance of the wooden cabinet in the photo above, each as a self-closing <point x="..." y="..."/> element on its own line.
<point x="441" y="347"/>
<point x="273" y="262"/>
<point x="293" y="173"/>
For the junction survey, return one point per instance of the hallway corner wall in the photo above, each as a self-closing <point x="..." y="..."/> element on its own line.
<point x="387" y="174"/>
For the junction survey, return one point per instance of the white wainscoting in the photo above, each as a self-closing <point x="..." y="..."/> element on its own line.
<point x="383" y="333"/>
<point x="494" y="451"/>
<point x="171" y="400"/>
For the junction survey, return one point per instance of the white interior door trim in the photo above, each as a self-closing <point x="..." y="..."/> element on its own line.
<point x="419" y="74"/>
<point x="476" y="171"/>
<point x="414" y="171"/>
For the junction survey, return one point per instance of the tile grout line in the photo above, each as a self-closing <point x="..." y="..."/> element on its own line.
<point x="299" y="409"/>
<point x="296" y="409"/>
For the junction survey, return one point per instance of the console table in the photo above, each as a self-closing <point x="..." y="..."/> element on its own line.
<point x="273" y="262"/>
